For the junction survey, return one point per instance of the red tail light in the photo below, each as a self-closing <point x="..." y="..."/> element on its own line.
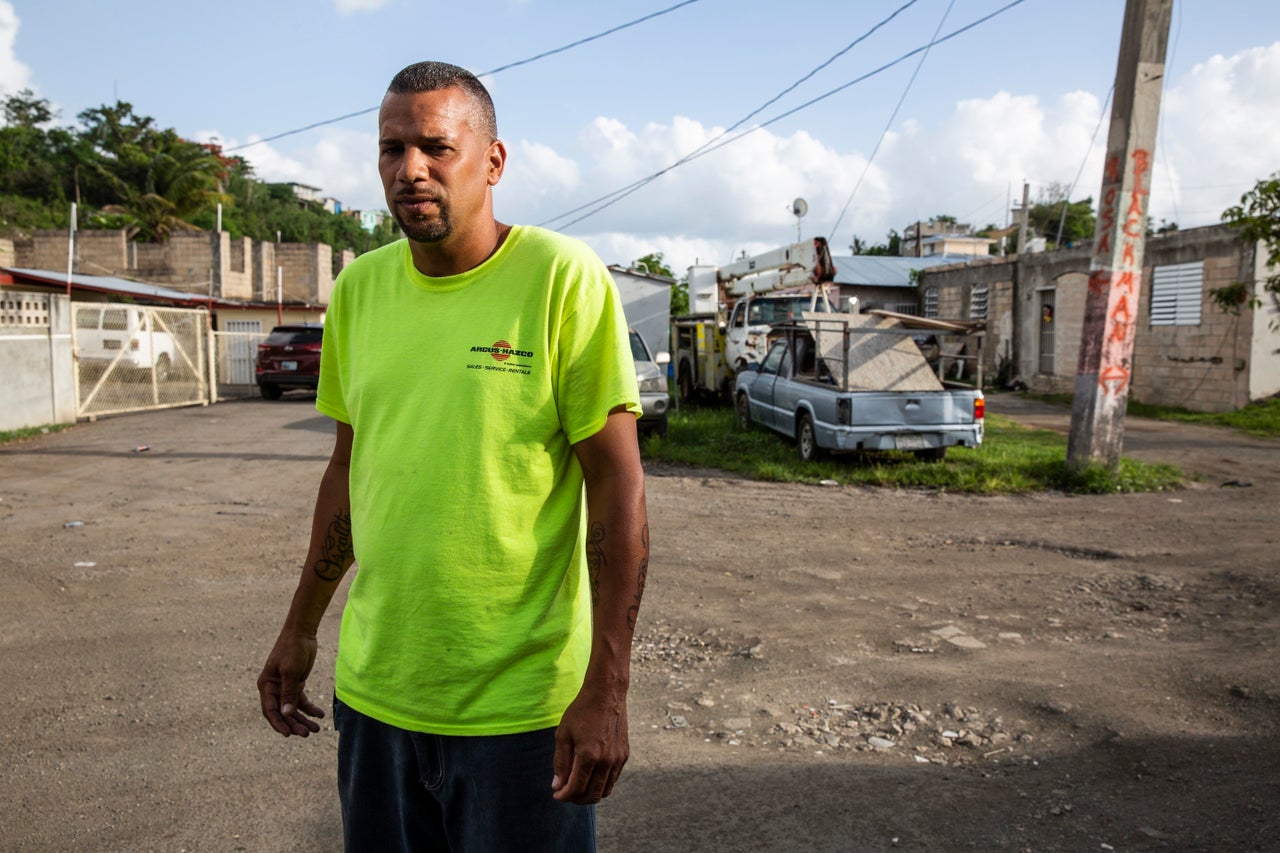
<point x="979" y="409"/>
<point x="312" y="347"/>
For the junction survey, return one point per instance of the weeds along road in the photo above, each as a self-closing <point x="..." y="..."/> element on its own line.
<point x="815" y="668"/>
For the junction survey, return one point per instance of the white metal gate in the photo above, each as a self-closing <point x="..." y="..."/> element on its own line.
<point x="135" y="357"/>
<point x="238" y="350"/>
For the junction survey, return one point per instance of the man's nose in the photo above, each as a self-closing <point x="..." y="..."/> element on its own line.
<point x="414" y="166"/>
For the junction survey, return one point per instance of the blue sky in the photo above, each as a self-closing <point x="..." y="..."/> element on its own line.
<point x="1016" y="98"/>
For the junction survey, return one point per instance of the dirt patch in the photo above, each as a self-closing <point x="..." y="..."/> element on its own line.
<point x="817" y="668"/>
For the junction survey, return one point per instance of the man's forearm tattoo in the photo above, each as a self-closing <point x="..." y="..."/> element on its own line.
<point x="595" y="560"/>
<point x="642" y="574"/>
<point x="337" y="551"/>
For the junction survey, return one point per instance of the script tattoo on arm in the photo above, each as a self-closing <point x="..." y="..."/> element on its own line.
<point x="595" y="560"/>
<point x="338" y="550"/>
<point x="642" y="574"/>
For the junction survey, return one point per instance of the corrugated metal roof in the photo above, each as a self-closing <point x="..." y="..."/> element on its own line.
<point x="884" y="270"/>
<point x="109" y="284"/>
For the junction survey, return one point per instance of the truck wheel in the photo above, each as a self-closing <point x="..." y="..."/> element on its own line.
<point x="163" y="368"/>
<point x="743" y="406"/>
<point x="932" y="454"/>
<point x="807" y="439"/>
<point x="685" y="382"/>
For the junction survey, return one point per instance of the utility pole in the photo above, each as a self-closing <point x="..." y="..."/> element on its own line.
<point x="1024" y="218"/>
<point x="1111" y="308"/>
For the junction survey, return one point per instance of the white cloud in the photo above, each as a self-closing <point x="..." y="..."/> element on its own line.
<point x="1221" y="132"/>
<point x="350" y="7"/>
<point x="14" y="75"/>
<point x="342" y="163"/>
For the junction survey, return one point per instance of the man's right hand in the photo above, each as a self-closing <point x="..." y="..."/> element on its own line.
<point x="282" y="686"/>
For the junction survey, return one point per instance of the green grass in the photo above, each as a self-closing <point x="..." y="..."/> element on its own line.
<point x="11" y="435"/>
<point x="1260" y="419"/>
<point x="1012" y="460"/>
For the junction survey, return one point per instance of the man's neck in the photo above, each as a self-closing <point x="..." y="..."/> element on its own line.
<point x="454" y="257"/>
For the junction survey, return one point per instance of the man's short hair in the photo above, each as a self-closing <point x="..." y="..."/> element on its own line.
<point x="434" y="76"/>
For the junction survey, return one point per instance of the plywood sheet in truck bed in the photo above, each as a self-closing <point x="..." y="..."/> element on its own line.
<point x="878" y="360"/>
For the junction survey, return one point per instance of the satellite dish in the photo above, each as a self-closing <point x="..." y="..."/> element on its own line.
<point x="799" y="208"/>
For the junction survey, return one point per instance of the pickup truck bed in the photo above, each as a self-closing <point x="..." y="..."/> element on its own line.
<point x="810" y="387"/>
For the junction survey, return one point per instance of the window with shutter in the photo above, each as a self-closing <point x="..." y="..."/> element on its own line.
<point x="1177" y="291"/>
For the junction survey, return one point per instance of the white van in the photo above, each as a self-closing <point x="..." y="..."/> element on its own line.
<point x="124" y="336"/>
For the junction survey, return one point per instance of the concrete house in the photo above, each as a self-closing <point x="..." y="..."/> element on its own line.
<point x="1188" y="352"/>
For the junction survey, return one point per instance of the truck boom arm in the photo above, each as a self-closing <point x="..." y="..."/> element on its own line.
<point x="806" y="262"/>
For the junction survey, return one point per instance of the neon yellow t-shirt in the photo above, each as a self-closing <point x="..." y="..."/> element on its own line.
<point x="470" y="613"/>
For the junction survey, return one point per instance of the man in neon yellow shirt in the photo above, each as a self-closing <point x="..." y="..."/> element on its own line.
<point x="487" y="481"/>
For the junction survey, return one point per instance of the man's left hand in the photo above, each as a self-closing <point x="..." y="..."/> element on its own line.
<point x="591" y="745"/>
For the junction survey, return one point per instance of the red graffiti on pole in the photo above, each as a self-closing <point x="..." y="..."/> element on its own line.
<point x="1113" y="379"/>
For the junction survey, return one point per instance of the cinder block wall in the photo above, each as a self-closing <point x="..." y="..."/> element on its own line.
<point x="236" y="280"/>
<point x="1201" y="367"/>
<point x="308" y="271"/>
<point x="955" y="283"/>
<point x="97" y="252"/>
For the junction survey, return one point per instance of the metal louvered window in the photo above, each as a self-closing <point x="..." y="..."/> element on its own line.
<point x="931" y="302"/>
<point x="1176" y="294"/>
<point x="978" y="302"/>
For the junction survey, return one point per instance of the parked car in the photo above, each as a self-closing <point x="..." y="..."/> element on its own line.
<point x="125" y="337"/>
<point x="845" y="385"/>
<point x="289" y="358"/>
<point x="651" y="375"/>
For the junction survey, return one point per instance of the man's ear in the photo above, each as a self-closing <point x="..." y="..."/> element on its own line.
<point x="497" y="161"/>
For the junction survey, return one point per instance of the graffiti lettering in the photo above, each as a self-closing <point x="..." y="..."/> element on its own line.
<point x="1113" y="379"/>
<point x="1113" y="168"/>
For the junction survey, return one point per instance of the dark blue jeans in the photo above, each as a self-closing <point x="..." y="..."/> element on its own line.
<point x="409" y="791"/>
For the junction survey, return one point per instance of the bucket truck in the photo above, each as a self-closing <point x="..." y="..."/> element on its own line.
<point x="734" y="307"/>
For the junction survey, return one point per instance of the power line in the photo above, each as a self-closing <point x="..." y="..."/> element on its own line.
<point x="867" y="166"/>
<point x="497" y="70"/>
<point x="627" y="190"/>
<point x="621" y="194"/>
<point x="1066" y="202"/>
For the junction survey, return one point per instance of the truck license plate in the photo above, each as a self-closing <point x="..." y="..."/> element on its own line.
<point x="910" y="442"/>
<point x="288" y="365"/>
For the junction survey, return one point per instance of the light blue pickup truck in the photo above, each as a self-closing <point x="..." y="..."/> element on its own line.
<point x="844" y="383"/>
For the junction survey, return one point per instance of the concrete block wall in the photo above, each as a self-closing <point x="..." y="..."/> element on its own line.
<point x="35" y="348"/>
<point x="1199" y="367"/>
<point x="307" y="271"/>
<point x="8" y="257"/>
<point x="191" y="262"/>
<point x="183" y="262"/>
<point x="236" y="267"/>
<point x="263" y="272"/>
<point x="955" y="283"/>
<point x="97" y="252"/>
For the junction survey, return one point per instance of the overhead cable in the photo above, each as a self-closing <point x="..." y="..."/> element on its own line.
<point x="497" y="70"/>
<point x="866" y="167"/>
<point x="618" y="195"/>
<point x="630" y="188"/>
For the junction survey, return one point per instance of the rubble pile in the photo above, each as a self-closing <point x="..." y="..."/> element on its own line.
<point x="948" y="735"/>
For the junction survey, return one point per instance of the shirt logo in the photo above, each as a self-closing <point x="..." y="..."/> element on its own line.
<point x="500" y="351"/>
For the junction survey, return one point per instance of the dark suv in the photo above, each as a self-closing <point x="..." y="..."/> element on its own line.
<point x="289" y="358"/>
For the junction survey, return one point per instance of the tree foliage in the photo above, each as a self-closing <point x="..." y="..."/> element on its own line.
<point x="891" y="246"/>
<point x="1062" y="222"/>
<point x="127" y="172"/>
<point x="1256" y="219"/>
